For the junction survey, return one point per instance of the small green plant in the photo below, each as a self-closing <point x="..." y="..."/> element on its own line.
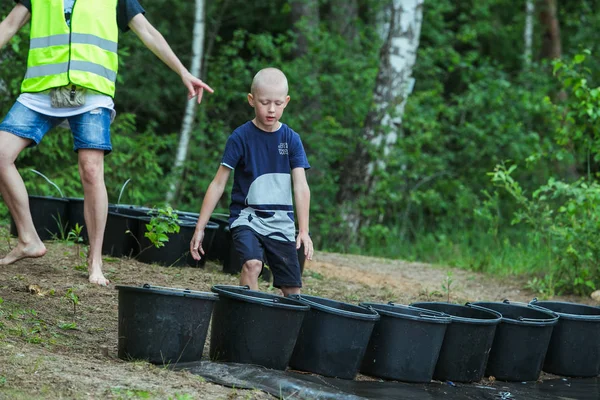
<point x="73" y="298"/>
<point x="164" y="223"/>
<point x="67" y="326"/>
<point x="2" y="380"/>
<point x="447" y="285"/>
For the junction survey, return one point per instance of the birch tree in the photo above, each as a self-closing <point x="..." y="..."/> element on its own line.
<point x="190" y="109"/>
<point x="528" y="32"/>
<point x="401" y="31"/>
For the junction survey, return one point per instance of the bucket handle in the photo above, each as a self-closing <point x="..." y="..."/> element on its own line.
<point x="476" y="307"/>
<point x="148" y="286"/>
<point x="534" y="307"/>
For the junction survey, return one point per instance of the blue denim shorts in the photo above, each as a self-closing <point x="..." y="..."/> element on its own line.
<point x="91" y="130"/>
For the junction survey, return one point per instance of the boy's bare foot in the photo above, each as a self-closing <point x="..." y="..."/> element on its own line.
<point x="24" y="251"/>
<point x="96" y="275"/>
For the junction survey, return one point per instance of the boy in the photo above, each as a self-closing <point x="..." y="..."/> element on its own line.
<point x="71" y="74"/>
<point x="266" y="156"/>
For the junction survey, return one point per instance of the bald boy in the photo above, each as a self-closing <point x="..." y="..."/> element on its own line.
<point x="266" y="156"/>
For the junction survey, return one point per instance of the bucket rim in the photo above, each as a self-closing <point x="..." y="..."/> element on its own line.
<point x="424" y="314"/>
<point x="54" y="198"/>
<point x="368" y="315"/>
<point x="562" y="315"/>
<point x="466" y="320"/>
<point x="147" y="288"/>
<point x="552" y="320"/>
<point x="249" y="296"/>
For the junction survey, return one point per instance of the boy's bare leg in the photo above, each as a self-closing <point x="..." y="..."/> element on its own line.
<point x="250" y="272"/>
<point x="287" y="290"/>
<point x="95" y="208"/>
<point x="15" y="196"/>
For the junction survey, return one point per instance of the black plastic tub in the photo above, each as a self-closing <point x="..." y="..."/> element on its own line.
<point x="574" y="348"/>
<point x="163" y="325"/>
<point x="521" y="341"/>
<point x="49" y="216"/>
<point x="333" y="338"/>
<point x="175" y="252"/>
<point x="75" y="216"/>
<point x="221" y="242"/>
<point x="120" y="235"/>
<point x="252" y="327"/>
<point x="405" y="343"/>
<point x="467" y="343"/>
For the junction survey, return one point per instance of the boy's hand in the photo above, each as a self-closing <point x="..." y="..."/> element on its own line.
<point x="303" y="238"/>
<point x="195" y="86"/>
<point x="196" y="245"/>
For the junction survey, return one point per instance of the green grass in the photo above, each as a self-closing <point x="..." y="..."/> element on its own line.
<point x="510" y="253"/>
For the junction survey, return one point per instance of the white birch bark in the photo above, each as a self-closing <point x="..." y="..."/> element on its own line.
<point x="402" y="29"/>
<point x="528" y="32"/>
<point x="190" y="109"/>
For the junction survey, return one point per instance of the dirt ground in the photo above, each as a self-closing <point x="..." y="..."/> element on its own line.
<point x="50" y="349"/>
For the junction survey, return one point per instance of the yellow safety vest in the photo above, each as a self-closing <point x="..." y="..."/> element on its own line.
<point x="84" y="54"/>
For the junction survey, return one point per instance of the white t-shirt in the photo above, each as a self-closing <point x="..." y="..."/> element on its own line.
<point x="40" y="102"/>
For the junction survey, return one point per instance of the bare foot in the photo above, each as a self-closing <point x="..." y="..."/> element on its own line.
<point x="96" y="275"/>
<point x="24" y="251"/>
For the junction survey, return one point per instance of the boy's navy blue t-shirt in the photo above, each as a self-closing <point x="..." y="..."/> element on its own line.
<point x="261" y="198"/>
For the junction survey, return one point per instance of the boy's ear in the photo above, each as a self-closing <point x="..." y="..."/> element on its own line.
<point x="250" y="99"/>
<point x="287" y="100"/>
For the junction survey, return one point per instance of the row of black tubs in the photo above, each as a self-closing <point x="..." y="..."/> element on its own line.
<point x="126" y="225"/>
<point x="410" y="343"/>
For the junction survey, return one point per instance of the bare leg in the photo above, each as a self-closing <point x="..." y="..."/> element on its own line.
<point x="250" y="272"/>
<point x="15" y="196"/>
<point x="287" y="290"/>
<point x="95" y="208"/>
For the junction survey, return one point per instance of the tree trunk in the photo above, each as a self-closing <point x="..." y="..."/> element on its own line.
<point x="551" y="44"/>
<point x="382" y="125"/>
<point x="190" y="109"/>
<point x="305" y="12"/>
<point x="528" y="32"/>
<point x="344" y="14"/>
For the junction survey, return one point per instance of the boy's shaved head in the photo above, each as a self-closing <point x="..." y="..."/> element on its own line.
<point x="269" y="78"/>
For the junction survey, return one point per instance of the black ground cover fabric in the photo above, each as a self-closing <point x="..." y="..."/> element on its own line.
<point x="307" y="386"/>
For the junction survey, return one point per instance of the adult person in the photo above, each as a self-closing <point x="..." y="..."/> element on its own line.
<point x="71" y="75"/>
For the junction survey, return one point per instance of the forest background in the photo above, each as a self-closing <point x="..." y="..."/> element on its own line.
<point x="481" y="153"/>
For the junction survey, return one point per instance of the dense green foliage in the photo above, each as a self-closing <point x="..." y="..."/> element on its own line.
<point x="475" y="105"/>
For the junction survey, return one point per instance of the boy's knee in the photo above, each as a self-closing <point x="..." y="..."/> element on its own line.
<point x="288" y="290"/>
<point x="252" y="267"/>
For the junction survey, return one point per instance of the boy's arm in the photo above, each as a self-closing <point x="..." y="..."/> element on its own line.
<point x="213" y="194"/>
<point x="302" y="199"/>
<point x="13" y="22"/>
<point x="155" y="41"/>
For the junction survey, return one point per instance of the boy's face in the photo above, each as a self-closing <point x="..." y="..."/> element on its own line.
<point x="268" y="103"/>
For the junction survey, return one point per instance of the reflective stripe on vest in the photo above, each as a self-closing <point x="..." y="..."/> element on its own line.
<point x="85" y="54"/>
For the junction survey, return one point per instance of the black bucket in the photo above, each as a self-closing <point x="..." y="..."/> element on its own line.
<point x="220" y="246"/>
<point x="163" y="325"/>
<point x="405" y="343"/>
<point x="252" y="327"/>
<point x="574" y="348"/>
<point x="49" y="216"/>
<point x="333" y="338"/>
<point x="75" y="216"/>
<point x="120" y="234"/>
<point x="175" y="252"/>
<point x="520" y="343"/>
<point x="467" y="343"/>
